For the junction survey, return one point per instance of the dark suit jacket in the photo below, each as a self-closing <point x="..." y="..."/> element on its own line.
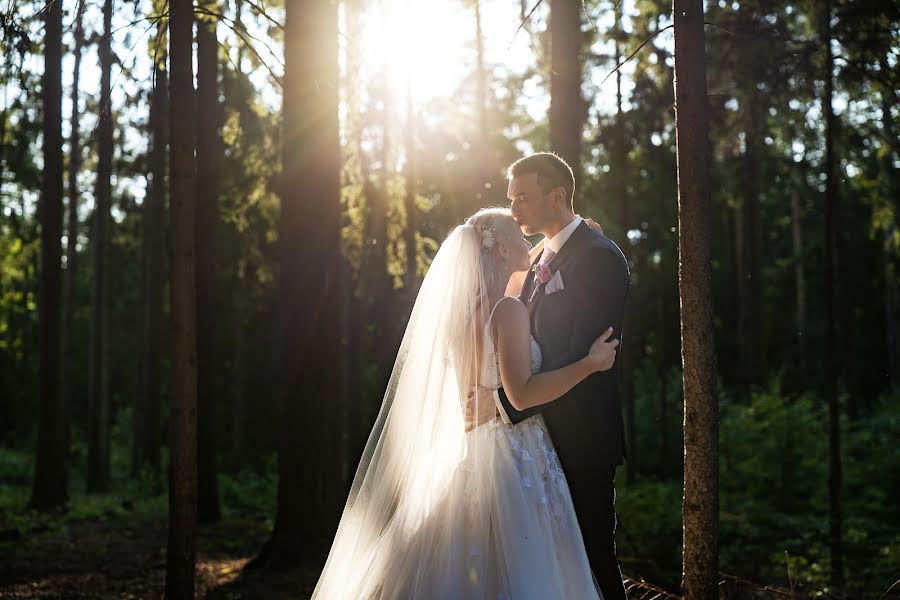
<point x="586" y="423"/>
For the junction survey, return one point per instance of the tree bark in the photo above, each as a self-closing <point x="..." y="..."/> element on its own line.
<point x="309" y="489"/>
<point x="147" y="426"/>
<point x="50" y="486"/>
<point x="209" y="161"/>
<point x="181" y="555"/>
<point x="98" y="476"/>
<point x="832" y="368"/>
<point x="799" y="281"/>
<point x="567" y="107"/>
<point x="71" y="353"/>
<point x="701" y="495"/>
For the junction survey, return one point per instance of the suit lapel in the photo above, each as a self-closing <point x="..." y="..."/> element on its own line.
<point x="575" y="240"/>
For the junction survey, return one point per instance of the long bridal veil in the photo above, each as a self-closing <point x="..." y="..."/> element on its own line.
<point x="392" y="540"/>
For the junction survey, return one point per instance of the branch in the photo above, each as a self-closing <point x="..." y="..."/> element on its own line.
<point x="525" y="20"/>
<point x="638" y="49"/>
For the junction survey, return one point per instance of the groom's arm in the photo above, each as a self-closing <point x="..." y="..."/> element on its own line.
<point x="599" y="284"/>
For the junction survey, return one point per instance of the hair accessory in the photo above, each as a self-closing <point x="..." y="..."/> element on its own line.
<point x="487" y="238"/>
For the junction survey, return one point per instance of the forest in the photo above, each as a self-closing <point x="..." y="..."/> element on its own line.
<point x="215" y="218"/>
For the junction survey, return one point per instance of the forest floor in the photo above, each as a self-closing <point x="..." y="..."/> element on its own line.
<point x="124" y="557"/>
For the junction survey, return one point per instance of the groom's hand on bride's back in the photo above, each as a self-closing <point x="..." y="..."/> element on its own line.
<point x="603" y="351"/>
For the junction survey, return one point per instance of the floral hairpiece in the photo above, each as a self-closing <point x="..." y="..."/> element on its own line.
<point x="487" y="237"/>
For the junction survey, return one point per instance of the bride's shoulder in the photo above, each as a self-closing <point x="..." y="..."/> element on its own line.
<point x="509" y="310"/>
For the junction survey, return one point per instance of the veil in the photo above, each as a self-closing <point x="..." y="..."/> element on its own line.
<point x="392" y="540"/>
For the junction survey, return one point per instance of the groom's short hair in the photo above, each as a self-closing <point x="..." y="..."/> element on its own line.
<point x="551" y="170"/>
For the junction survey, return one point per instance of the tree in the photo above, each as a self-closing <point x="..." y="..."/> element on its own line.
<point x="208" y="174"/>
<point x="181" y="556"/>
<point x="50" y="465"/>
<point x="832" y="368"/>
<point x="567" y="107"/>
<point x="309" y="493"/>
<point x="98" y="474"/>
<point x="147" y="440"/>
<point x="701" y="416"/>
<point x="70" y="352"/>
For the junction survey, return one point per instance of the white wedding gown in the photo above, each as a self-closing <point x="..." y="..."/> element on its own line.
<point x="507" y="528"/>
<point x="434" y="512"/>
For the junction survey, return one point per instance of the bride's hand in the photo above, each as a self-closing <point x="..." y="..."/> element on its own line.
<point x="603" y="351"/>
<point x="480" y="407"/>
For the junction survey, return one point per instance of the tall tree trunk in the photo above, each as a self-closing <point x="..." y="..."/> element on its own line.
<point x="181" y="555"/>
<point x="209" y="160"/>
<point x="309" y="488"/>
<point x="567" y="108"/>
<point x="619" y="186"/>
<point x="147" y="438"/>
<point x="411" y="175"/>
<point x="70" y="352"/>
<point x="50" y="486"/>
<point x="701" y="411"/>
<point x="799" y="281"/>
<point x="98" y="475"/>
<point x="481" y="78"/>
<point x="832" y="367"/>
<point x="752" y="236"/>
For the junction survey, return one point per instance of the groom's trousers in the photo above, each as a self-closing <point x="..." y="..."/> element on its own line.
<point x="594" y="494"/>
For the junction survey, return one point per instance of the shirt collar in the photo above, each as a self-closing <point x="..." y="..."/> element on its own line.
<point x="556" y="243"/>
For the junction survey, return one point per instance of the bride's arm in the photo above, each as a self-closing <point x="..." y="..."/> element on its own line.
<point x="526" y="390"/>
<point x="517" y="279"/>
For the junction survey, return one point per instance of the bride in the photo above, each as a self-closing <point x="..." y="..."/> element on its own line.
<point x="436" y="511"/>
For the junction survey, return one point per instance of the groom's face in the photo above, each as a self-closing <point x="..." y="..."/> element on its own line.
<point x="532" y="209"/>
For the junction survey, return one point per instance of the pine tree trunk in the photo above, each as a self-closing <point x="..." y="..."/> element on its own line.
<point x="209" y="162"/>
<point x="752" y="236"/>
<point x="147" y="426"/>
<point x="309" y="489"/>
<point x="71" y="353"/>
<point x="619" y="178"/>
<point x="50" y="485"/>
<point x="412" y="277"/>
<point x="568" y="109"/>
<point x="799" y="281"/>
<point x="701" y="495"/>
<point x="832" y="368"/>
<point x="181" y="555"/>
<point x="98" y="476"/>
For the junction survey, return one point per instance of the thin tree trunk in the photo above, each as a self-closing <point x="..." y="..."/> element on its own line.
<point x="181" y="555"/>
<point x="309" y="489"/>
<point x="567" y="107"/>
<point x="619" y="174"/>
<point x="98" y="476"/>
<point x="411" y="175"/>
<point x="209" y="162"/>
<point x="147" y="427"/>
<point x="50" y="485"/>
<point x="70" y="352"/>
<point x="832" y="368"/>
<point x="481" y="75"/>
<point x="799" y="281"/>
<point x="701" y="411"/>
<point x="752" y="237"/>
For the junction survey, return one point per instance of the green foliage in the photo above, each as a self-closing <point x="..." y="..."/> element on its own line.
<point x="773" y="494"/>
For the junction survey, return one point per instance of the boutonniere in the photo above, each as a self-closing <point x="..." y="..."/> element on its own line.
<point x="542" y="272"/>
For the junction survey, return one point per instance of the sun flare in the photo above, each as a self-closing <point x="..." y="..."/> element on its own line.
<point x="424" y="48"/>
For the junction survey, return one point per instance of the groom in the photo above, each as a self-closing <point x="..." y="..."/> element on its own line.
<point x="574" y="292"/>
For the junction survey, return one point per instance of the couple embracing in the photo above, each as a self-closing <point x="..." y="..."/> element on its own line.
<point x="490" y="470"/>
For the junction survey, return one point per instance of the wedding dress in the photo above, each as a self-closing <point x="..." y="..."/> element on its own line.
<point x="439" y="513"/>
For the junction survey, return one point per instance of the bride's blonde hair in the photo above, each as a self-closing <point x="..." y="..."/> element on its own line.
<point x="493" y="224"/>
